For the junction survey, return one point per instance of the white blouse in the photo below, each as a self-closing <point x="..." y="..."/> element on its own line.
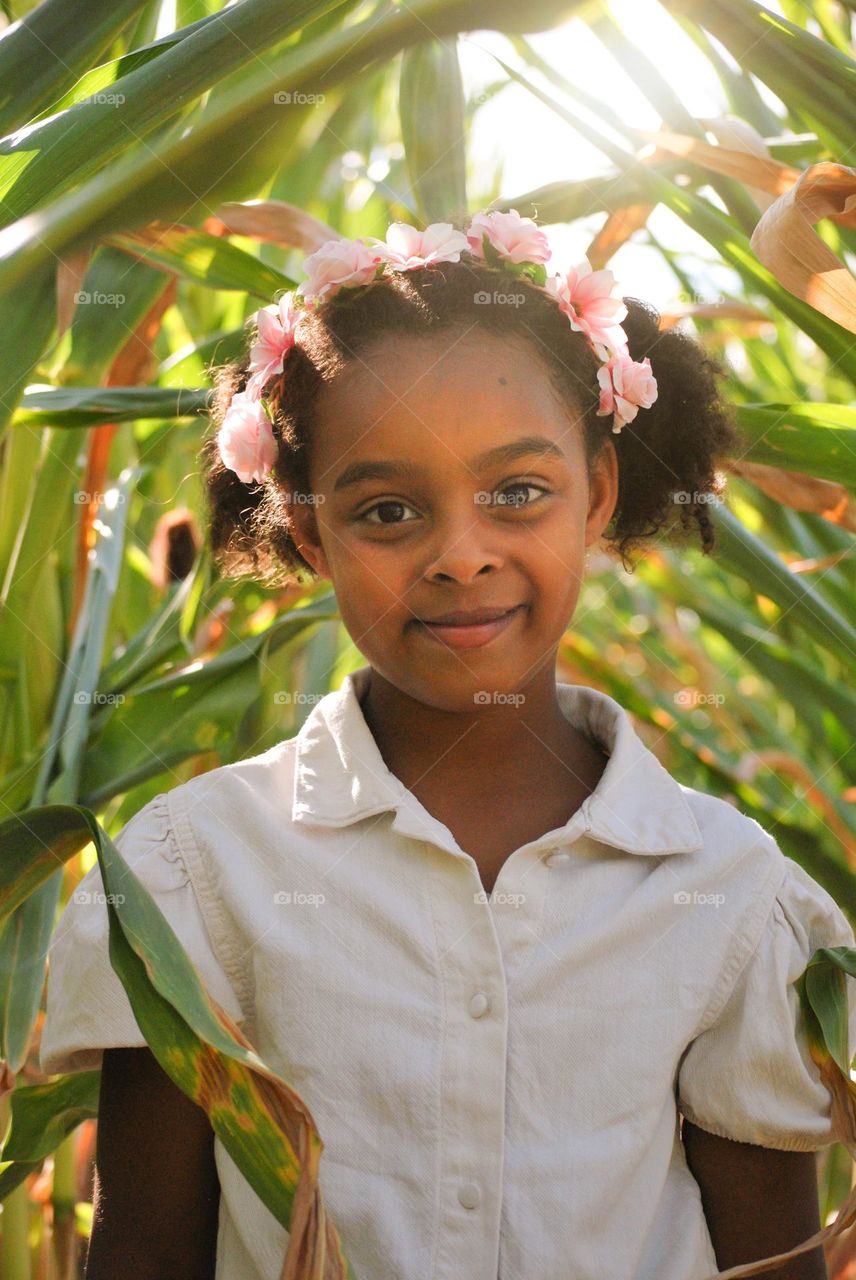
<point x="497" y="1083"/>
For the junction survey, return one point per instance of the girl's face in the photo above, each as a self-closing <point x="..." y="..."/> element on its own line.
<point x="448" y="476"/>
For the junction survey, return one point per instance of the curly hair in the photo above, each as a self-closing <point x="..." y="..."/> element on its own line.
<point x="666" y="457"/>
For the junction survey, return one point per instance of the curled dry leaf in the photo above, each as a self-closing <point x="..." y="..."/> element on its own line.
<point x="801" y="492"/>
<point x="617" y="229"/>
<point x="787" y="244"/>
<point x="274" y="220"/>
<point x="752" y="318"/>
<point x="758" y="172"/>
<point x="69" y="277"/>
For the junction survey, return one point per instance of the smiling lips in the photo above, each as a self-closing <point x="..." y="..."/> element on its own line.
<point x="467" y="629"/>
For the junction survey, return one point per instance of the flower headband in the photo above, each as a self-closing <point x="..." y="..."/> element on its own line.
<point x="246" y="440"/>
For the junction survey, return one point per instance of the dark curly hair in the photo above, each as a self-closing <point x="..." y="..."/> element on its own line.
<point x="673" y="451"/>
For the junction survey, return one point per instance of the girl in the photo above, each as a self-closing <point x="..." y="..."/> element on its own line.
<point x="537" y="994"/>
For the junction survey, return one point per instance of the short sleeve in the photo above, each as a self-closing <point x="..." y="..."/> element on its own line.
<point x="749" y="1076"/>
<point x="87" y="1009"/>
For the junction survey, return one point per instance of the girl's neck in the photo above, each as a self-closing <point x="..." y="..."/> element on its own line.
<point x="496" y="746"/>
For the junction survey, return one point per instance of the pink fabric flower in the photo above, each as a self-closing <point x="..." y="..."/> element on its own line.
<point x="587" y="299"/>
<point x="515" y="238"/>
<point x="276" y="326"/>
<point x="246" y="439"/>
<point x="406" y="248"/>
<point x="626" y="386"/>
<point x="338" y="263"/>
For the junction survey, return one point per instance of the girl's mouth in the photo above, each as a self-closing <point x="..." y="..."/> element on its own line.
<point x="471" y="636"/>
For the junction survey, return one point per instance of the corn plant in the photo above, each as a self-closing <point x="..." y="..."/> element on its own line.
<point x="154" y="191"/>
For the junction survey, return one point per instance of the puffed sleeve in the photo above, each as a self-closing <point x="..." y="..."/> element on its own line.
<point x="749" y="1076"/>
<point x="87" y="1009"/>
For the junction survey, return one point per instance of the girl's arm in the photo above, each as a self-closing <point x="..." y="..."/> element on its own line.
<point x="757" y="1202"/>
<point x="157" y="1194"/>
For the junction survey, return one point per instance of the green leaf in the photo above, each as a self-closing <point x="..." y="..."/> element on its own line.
<point x="817" y="439"/>
<point x="32" y="72"/>
<point x="86" y="406"/>
<point x="748" y="556"/>
<point x="431" y="106"/>
<point x="43" y="1114"/>
<point x="263" y="1124"/>
<point x="206" y="259"/>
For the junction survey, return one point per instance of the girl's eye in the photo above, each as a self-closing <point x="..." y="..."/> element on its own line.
<point x="503" y="498"/>
<point x="507" y="498"/>
<point x="393" y="503"/>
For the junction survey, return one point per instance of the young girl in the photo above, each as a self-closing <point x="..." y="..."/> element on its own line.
<point x="537" y="994"/>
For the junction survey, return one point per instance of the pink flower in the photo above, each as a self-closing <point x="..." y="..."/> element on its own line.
<point x="338" y="263"/>
<point x="246" y="440"/>
<point x="515" y="238"/>
<point x="587" y="299"/>
<point x="276" y="326"/>
<point x="626" y="386"/>
<point x="406" y="249"/>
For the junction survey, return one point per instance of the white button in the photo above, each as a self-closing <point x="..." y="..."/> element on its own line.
<point x="479" y="1004"/>
<point x="469" y="1195"/>
<point x="555" y="859"/>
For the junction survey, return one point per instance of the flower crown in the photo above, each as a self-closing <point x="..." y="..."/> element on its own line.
<point x="246" y="440"/>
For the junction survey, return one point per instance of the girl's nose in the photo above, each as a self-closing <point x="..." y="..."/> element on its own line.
<point x="463" y="545"/>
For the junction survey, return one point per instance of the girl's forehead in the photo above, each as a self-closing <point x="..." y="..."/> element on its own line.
<point x="451" y="378"/>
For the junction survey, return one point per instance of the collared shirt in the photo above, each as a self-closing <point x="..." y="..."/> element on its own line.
<point x="497" y="1080"/>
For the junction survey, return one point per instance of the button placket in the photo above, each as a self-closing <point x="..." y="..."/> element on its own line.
<point x="472" y="1075"/>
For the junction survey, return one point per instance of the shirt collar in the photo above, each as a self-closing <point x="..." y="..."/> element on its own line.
<point x="340" y="777"/>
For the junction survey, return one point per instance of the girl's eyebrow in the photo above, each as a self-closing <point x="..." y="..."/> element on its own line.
<point x="385" y="470"/>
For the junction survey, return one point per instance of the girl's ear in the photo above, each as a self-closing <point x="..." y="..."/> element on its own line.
<point x="304" y="532"/>
<point x="603" y="491"/>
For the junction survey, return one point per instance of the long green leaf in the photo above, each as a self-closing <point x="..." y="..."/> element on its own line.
<point x="749" y="557"/>
<point x="32" y="72"/>
<point x="86" y="406"/>
<point x="82" y="140"/>
<point x="263" y="1124"/>
<point x="431" y="106"/>
<point x="818" y="439"/>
